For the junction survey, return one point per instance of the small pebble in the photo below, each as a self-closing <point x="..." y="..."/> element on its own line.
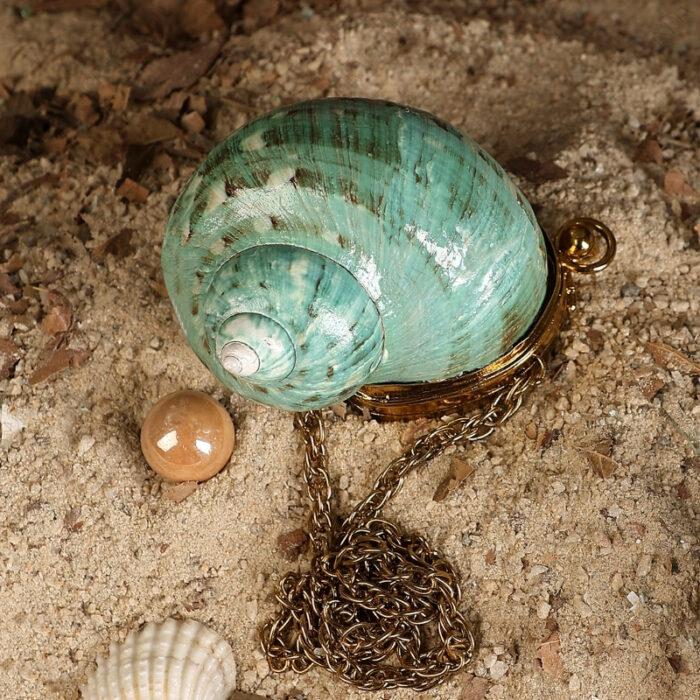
<point x="629" y="289"/>
<point x="187" y="436"/>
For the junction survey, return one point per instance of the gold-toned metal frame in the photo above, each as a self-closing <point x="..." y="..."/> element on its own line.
<point x="581" y="245"/>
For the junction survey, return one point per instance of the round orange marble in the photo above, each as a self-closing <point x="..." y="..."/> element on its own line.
<point x="187" y="436"/>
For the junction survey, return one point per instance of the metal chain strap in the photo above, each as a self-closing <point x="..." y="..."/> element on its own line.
<point x="379" y="608"/>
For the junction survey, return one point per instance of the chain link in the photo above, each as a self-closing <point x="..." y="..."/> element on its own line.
<point x="379" y="608"/>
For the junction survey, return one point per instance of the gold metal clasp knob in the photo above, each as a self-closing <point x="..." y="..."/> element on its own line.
<point x="585" y="245"/>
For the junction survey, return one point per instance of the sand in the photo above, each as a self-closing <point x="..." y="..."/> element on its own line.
<point x="94" y="544"/>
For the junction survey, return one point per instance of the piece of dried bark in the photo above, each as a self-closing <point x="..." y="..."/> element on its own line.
<point x="459" y="471"/>
<point x="193" y="122"/>
<point x="65" y="5"/>
<point x="258" y="13"/>
<point x="148" y="128"/>
<point x="58" y="319"/>
<point x="158" y="286"/>
<point x="178" y="492"/>
<point x="474" y="687"/>
<point x="6" y="85"/>
<point x="84" y="110"/>
<point x="649" y="151"/>
<point x="650" y="387"/>
<point x="138" y="159"/>
<point x="601" y="465"/>
<point x="17" y="307"/>
<point x="7" y="347"/>
<point x="595" y="339"/>
<point x="536" y="171"/>
<point x="549" y="655"/>
<point x="99" y="144"/>
<point x="7" y="286"/>
<point x="59" y="360"/>
<point x="671" y="359"/>
<point x="675" y="184"/>
<point x="546" y="438"/>
<point x="131" y="190"/>
<point x="118" y="245"/>
<point x="113" y="96"/>
<point x="675" y="662"/>
<point x="181" y="70"/>
<point x="691" y="463"/>
<point x="10" y="356"/>
<point x="199" y="17"/>
<point x="71" y="520"/>
<point x="637" y="529"/>
<point x="162" y="161"/>
<point x="683" y="492"/>
<point x="13" y="264"/>
<point x="292" y="544"/>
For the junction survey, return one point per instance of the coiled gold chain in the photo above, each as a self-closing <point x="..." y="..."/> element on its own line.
<point x="379" y="608"/>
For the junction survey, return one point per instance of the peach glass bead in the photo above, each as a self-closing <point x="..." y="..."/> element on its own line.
<point x="187" y="436"/>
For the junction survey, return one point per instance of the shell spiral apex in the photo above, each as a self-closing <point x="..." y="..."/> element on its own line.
<point x="170" y="660"/>
<point x="343" y="242"/>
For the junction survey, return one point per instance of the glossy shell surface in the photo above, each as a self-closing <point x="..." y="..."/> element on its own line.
<point x="171" y="660"/>
<point x="343" y="242"/>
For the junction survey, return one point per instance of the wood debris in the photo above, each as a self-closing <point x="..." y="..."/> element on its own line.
<point x="601" y="464"/>
<point x="595" y="339"/>
<point x="84" y="110"/>
<point x="9" y="356"/>
<point x="72" y="521"/>
<point x="200" y="17"/>
<point x="675" y="184"/>
<point x="671" y="359"/>
<point x="65" y="5"/>
<point x="536" y="171"/>
<point x="650" y="387"/>
<point x="549" y="656"/>
<point x="62" y="358"/>
<point x="459" y="471"/>
<point x="547" y="438"/>
<point x="7" y="286"/>
<point x="258" y="13"/>
<point x="682" y="491"/>
<point x="474" y="687"/>
<point x="144" y="129"/>
<point x="133" y="191"/>
<point x="292" y="544"/>
<point x="178" y="71"/>
<point x="58" y="319"/>
<point x="113" y="96"/>
<point x="193" y="122"/>
<point x="649" y="151"/>
<point x="119" y="245"/>
<point x="178" y="492"/>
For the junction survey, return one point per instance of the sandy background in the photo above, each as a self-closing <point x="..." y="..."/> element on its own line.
<point x="93" y="544"/>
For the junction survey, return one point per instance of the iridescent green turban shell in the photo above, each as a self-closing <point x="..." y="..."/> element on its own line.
<point x="343" y="242"/>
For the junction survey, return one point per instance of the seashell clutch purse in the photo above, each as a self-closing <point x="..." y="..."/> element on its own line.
<point x="362" y="250"/>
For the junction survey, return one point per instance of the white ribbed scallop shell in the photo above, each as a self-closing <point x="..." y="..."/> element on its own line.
<point x="170" y="660"/>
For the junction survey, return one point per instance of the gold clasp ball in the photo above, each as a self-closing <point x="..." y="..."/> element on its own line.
<point x="585" y="245"/>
